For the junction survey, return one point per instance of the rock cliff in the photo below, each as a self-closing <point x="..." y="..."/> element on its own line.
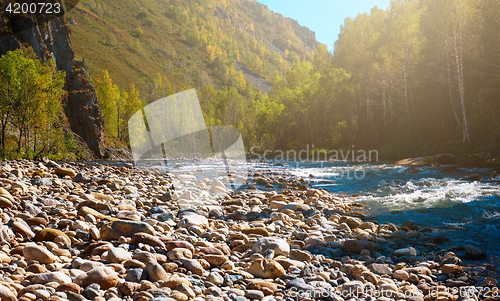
<point x="83" y="111"/>
<point x="53" y="40"/>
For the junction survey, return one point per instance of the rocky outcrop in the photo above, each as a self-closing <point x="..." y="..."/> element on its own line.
<point x="83" y="111"/>
<point x="50" y="41"/>
<point x="53" y="40"/>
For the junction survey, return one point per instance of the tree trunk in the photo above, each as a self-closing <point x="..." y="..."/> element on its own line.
<point x="383" y="104"/>
<point x="405" y="75"/>
<point x="367" y="105"/>
<point x="458" y="60"/>
<point x="450" y="87"/>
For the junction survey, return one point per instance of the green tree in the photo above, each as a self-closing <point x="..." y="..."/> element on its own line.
<point x="108" y="95"/>
<point x="128" y="104"/>
<point x="30" y="98"/>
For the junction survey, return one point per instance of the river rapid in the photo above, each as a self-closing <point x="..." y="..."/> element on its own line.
<point x="464" y="203"/>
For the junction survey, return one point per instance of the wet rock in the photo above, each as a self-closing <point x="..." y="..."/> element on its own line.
<point x="410" y="225"/>
<point x="450" y="258"/>
<point x="440" y="238"/>
<point x="474" y="253"/>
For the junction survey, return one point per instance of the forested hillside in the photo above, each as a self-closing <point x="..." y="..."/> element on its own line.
<point x="419" y="77"/>
<point x="229" y="49"/>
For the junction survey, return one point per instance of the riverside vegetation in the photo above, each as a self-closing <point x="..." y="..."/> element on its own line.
<point x="32" y="121"/>
<point x="416" y="77"/>
<point x="78" y="231"/>
<point x="419" y="77"/>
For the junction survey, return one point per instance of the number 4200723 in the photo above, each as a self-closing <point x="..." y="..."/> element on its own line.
<point x="34" y="8"/>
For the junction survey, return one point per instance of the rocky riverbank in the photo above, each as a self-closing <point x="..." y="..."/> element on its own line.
<point x="88" y="231"/>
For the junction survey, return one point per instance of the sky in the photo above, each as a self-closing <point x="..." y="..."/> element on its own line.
<point x="323" y="16"/>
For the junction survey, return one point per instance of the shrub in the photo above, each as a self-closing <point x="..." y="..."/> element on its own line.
<point x="137" y="32"/>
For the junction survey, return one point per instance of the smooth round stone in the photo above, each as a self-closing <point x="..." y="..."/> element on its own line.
<point x="118" y="255"/>
<point x="167" y="216"/>
<point x="254" y="294"/>
<point x="215" y="278"/>
<point x="157" y="209"/>
<point x="214" y="291"/>
<point x="80" y="225"/>
<point x="38" y="253"/>
<point x="196" y="230"/>
<point x="136" y="275"/>
<point x="91" y="293"/>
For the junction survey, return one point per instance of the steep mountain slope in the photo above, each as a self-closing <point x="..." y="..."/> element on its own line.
<point x="190" y="42"/>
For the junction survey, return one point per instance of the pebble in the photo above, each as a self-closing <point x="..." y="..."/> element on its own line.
<point x="7" y="294"/>
<point x="38" y="253"/>
<point x="410" y="251"/>
<point x="192" y="219"/>
<point x="156" y="272"/>
<point x="278" y="245"/>
<point x="89" y="231"/>
<point x="106" y="277"/>
<point x="215" y="278"/>
<point x="48" y="277"/>
<point x="118" y="255"/>
<point x="266" y="268"/>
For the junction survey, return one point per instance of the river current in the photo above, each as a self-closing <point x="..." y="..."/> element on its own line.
<point x="464" y="203"/>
